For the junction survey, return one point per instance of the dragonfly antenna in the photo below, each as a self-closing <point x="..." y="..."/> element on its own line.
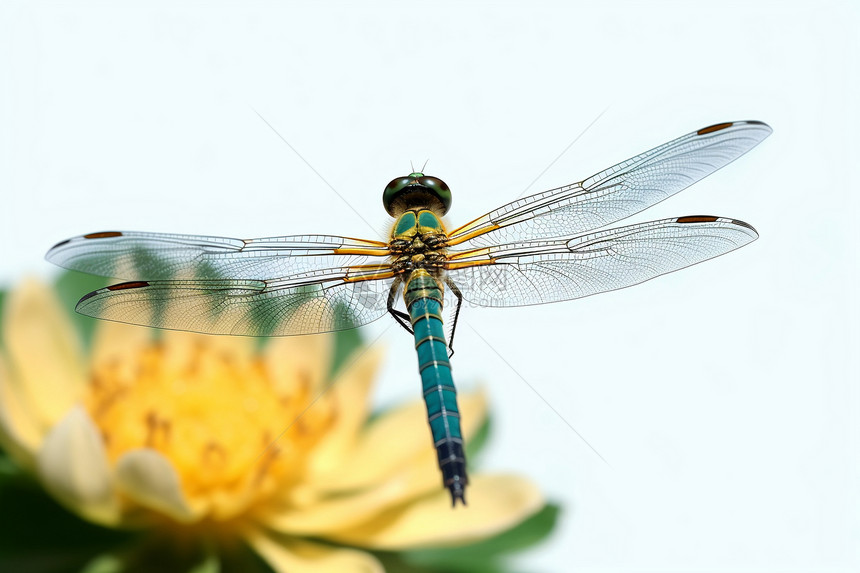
<point x="411" y="166"/>
<point x="425" y="165"/>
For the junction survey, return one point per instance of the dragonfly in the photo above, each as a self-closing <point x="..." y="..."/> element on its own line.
<point x="547" y="247"/>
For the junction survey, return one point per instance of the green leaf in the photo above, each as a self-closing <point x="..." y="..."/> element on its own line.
<point x="2" y="304"/>
<point x="70" y="287"/>
<point x="528" y="533"/>
<point x="157" y="553"/>
<point x="37" y="535"/>
<point x="104" y="564"/>
<point x="401" y="563"/>
<point x="243" y="560"/>
<point x="485" y="556"/>
<point x="161" y="553"/>
<point x="478" y="441"/>
<point x="9" y="471"/>
<point x="210" y="564"/>
<point x="397" y="563"/>
<point x="346" y="343"/>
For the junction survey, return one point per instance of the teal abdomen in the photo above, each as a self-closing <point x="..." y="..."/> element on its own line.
<point x="424" y="302"/>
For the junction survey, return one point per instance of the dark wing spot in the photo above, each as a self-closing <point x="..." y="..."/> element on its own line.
<point x="696" y="219"/>
<point x="89" y="295"/>
<point x="713" y="128"/>
<point x="103" y="235"/>
<point x="133" y="284"/>
<point x="742" y="224"/>
<point x="60" y="244"/>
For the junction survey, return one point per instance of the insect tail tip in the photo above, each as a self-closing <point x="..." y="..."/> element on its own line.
<point x="458" y="492"/>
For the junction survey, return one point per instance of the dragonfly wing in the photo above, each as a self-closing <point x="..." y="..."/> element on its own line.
<point x="617" y="192"/>
<point x="537" y="272"/>
<point x="308" y="303"/>
<point x="156" y="256"/>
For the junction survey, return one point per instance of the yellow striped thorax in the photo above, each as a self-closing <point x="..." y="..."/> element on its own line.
<point x="415" y="223"/>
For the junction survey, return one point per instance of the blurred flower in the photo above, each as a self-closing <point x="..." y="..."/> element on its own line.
<point x="215" y="439"/>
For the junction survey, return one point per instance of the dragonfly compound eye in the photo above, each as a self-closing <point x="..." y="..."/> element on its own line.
<point x="439" y="188"/>
<point x="393" y="190"/>
<point x="415" y="190"/>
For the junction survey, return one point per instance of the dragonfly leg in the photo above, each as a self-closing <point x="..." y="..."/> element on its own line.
<point x="459" y="296"/>
<point x="401" y="317"/>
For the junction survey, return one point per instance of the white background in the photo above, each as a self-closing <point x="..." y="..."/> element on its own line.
<point x="724" y="397"/>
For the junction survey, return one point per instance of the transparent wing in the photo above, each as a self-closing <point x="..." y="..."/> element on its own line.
<point x="537" y="272"/>
<point x="155" y="256"/>
<point x="307" y="303"/>
<point x="617" y="192"/>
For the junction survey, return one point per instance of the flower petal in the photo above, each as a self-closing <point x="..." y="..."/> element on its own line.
<point x="315" y="511"/>
<point x="240" y="349"/>
<point x="148" y="478"/>
<point x="19" y="432"/>
<point x="287" y="555"/>
<point x="118" y="345"/>
<point x="496" y="503"/>
<point x="344" y="511"/>
<point x="393" y="441"/>
<point x="44" y="351"/>
<point x="349" y="396"/>
<point x="73" y="465"/>
<point x="180" y="350"/>
<point x="294" y="360"/>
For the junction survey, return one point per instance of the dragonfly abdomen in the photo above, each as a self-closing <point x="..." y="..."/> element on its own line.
<point x="423" y="298"/>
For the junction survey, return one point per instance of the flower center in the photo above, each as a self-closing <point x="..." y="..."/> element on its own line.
<point x="220" y="417"/>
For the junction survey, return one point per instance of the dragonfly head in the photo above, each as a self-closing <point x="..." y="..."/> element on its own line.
<point x="416" y="190"/>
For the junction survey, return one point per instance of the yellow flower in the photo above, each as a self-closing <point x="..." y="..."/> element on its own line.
<point x="212" y="438"/>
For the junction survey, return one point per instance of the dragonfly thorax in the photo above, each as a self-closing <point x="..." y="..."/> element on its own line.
<point x="419" y="225"/>
<point x="418" y="241"/>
